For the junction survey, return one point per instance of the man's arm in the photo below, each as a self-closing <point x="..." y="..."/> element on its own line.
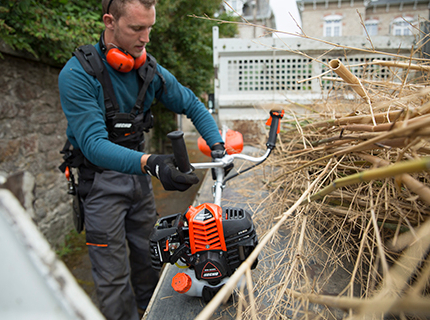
<point x="182" y="100"/>
<point x="83" y="104"/>
<point x="144" y="161"/>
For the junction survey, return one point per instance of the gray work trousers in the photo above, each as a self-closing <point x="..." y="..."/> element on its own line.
<point x="120" y="213"/>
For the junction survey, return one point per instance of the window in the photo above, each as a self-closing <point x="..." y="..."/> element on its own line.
<point x="402" y="26"/>
<point x="333" y="26"/>
<point x="235" y="5"/>
<point x="371" y="27"/>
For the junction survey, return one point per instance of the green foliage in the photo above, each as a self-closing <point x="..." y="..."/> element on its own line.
<point x="183" y="44"/>
<point x="50" y="29"/>
<point x="53" y="29"/>
<point x="164" y="122"/>
<point x="73" y="245"/>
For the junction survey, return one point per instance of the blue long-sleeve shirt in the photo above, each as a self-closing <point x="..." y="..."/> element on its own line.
<point x="82" y="101"/>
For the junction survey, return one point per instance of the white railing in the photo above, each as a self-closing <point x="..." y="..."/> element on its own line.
<point x="251" y="72"/>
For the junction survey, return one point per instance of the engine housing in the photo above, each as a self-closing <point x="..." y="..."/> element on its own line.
<point x="211" y="240"/>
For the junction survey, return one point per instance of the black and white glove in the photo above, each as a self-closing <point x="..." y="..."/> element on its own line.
<point x="164" y="168"/>
<point x="218" y="151"/>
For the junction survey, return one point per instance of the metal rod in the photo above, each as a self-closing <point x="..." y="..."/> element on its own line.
<point x="228" y="159"/>
<point x="218" y="186"/>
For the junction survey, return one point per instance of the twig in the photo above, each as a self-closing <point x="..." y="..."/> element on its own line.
<point x="397" y="132"/>
<point x="230" y="285"/>
<point x="369" y="175"/>
<point x="337" y="45"/>
<point x="365" y="29"/>
<point x="398" y="64"/>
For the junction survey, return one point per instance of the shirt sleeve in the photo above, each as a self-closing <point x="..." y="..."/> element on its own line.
<point x="182" y="100"/>
<point x="83" y="105"/>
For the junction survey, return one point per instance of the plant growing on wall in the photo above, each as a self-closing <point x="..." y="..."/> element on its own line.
<point x="50" y="30"/>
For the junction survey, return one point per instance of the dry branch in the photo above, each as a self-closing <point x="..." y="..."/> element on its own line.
<point x="361" y="212"/>
<point x="374" y="227"/>
<point x="413" y="184"/>
<point x="397" y="64"/>
<point x="362" y="119"/>
<point x="337" y="66"/>
<point x="370" y="175"/>
<point x="228" y="288"/>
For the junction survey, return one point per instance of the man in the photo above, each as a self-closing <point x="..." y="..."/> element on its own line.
<point x="119" y="204"/>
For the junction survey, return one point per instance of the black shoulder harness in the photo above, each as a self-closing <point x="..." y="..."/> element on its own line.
<point x="93" y="65"/>
<point x="125" y="129"/>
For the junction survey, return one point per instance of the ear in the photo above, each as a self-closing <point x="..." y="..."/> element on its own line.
<point x="109" y="21"/>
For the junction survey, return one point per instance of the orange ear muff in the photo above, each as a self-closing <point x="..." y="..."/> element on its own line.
<point x="123" y="61"/>
<point x="120" y="60"/>
<point x="140" y="61"/>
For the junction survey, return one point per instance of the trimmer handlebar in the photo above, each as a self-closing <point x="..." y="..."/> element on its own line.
<point x="275" y="127"/>
<point x="180" y="151"/>
<point x="181" y="154"/>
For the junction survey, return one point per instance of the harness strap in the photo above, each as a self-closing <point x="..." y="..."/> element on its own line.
<point x="72" y="158"/>
<point x="93" y="65"/>
<point x="157" y="97"/>
<point x="146" y="73"/>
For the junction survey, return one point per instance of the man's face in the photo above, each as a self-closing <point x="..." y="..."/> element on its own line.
<point x="131" y="31"/>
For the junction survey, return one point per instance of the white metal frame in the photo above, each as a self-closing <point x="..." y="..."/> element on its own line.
<point x="277" y="67"/>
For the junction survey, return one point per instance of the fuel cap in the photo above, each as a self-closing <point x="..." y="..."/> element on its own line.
<point x="181" y="282"/>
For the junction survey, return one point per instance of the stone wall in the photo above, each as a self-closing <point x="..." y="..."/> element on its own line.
<point x="32" y="132"/>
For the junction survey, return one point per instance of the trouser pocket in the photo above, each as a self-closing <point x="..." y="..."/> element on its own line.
<point x="85" y="181"/>
<point x="96" y="239"/>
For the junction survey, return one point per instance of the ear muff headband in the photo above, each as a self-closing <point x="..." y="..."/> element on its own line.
<point x="120" y="59"/>
<point x="140" y="61"/>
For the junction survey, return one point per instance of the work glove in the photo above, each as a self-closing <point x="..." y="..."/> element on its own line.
<point x="164" y="168"/>
<point x="218" y="151"/>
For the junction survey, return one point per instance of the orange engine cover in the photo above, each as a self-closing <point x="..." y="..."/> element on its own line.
<point x="205" y="228"/>
<point x="233" y="143"/>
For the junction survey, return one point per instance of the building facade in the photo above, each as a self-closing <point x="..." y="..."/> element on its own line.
<point x="256" y="74"/>
<point x="334" y="18"/>
<point x="257" y="12"/>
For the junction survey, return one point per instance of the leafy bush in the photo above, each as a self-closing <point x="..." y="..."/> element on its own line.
<point x="54" y="29"/>
<point x="183" y="45"/>
<point x="50" y="29"/>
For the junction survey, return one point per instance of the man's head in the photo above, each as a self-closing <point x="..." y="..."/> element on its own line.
<point x="116" y="7"/>
<point x="128" y="24"/>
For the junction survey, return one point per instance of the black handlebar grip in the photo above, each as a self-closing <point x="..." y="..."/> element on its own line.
<point x="276" y="117"/>
<point x="180" y="151"/>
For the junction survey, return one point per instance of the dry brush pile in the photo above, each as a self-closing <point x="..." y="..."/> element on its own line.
<point x="359" y="242"/>
<point x="348" y="229"/>
<point x="371" y="206"/>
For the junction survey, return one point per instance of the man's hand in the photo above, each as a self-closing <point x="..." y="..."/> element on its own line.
<point x="218" y="151"/>
<point x="163" y="167"/>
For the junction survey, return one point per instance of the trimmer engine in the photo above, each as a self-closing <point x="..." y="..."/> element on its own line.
<point x="210" y="240"/>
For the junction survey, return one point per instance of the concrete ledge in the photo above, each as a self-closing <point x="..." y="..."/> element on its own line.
<point x="35" y="283"/>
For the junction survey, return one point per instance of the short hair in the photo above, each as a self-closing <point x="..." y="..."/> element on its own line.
<point x="116" y="7"/>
